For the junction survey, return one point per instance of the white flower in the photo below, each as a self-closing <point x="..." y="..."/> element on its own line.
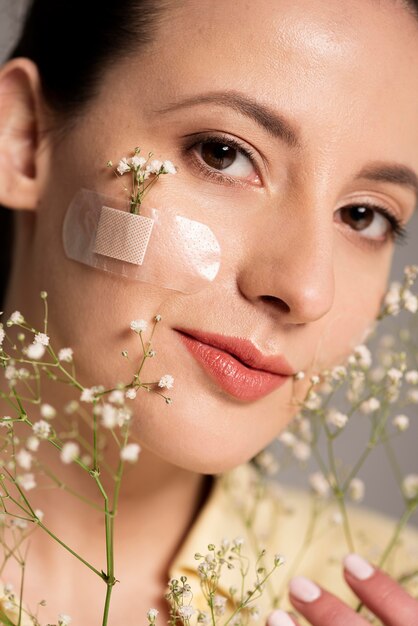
<point x="413" y="396"/>
<point x="301" y="450"/>
<point x="64" y="620"/>
<point x="65" y="355"/>
<point x="377" y="374"/>
<point x="24" y="459"/>
<point x="21" y="524"/>
<point x="169" y="168"/>
<point x="219" y="604"/>
<point x="42" y="339"/>
<point x="137" y="161"/>
<point x="410" y="301"/>
<point x="39" y="514"/>
<point x="116" y="396"/>
<point x="315" y="379"/>
<point x="186" y="611"/>
<point x="108" y="415"/>
<point x="155" y="166"/>
<point x="401" y="422"/>
<point x="48" y="411"/>
<point x="394" y="375"/>
<point x="71" y="407"/>
<point x="166" y="381"/>
<point x="410" y="486"/>
<point x="393" y="298"/>
<point x="319" y="484"/>
<point x="32" y="443"/>
<point x="356" y="490"/>
<point x="2" y="334"/>
<point x="130" y="393"/>
<point x="238" y="542"/>
<point x="362" y="356"/>
<point x="279" y="559"/>
<point x="16" y="318"/>
<point x="139" y="326"/>
<point x="123" y="416"/>
<point x="87" y="395"/>
<point x="369" y="406"/>
<point x="35" y="351"/>
<point x="287" y="438"/>
<point x="411" y="377"/>
<point x="152" y="614"/>
<point x="130" y="452"/>
<point x="267" y="461"/>
<point x="313" y="401"/>
<point x="123" y="166"/>
<point x="10" y="372"/>
<point x="70" y="450"/>
<point x="299" y="375"/>
<point x="336" y="418"/>
<point x="339" y="372"/>
<point x="42" y="429"/>
<point x="27" y="481"/>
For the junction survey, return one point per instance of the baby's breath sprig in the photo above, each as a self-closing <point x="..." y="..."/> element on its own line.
<point x="380" y="392"/>
<point x="141" y="169"/>
<point x="236" y="610"/>
<point x="102" y="410"/>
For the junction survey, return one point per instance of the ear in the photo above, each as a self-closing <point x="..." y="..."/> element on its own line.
<point x="20" y="125"/>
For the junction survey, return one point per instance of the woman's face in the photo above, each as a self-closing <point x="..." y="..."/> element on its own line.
<point x="302" y="275"/>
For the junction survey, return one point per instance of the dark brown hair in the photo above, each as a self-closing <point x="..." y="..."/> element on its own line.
<point x="72" y="42"/>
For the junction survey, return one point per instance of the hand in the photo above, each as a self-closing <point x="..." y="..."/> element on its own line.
<point x="377" y="591"/>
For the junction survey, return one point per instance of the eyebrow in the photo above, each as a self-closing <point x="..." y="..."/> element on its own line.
<point x="274" y="123"/>
<point x="279" y="127"/>
<point x="391" y="173"/>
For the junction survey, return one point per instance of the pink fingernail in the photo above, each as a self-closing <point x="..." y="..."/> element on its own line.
<point x="304" y="589"/>
<point x="358" y="567"/>
<point x="279" y="618"/>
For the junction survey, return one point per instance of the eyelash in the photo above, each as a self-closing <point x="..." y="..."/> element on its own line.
<point x="398" y="232"/>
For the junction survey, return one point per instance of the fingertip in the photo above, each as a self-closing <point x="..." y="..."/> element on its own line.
<point x="280" y="618"/>
<point x="358" y="567"/>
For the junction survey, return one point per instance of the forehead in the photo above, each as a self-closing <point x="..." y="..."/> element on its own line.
<point x="344" y="72"/>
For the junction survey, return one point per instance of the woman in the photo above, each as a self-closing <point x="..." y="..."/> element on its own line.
<point x="298" y="151"/>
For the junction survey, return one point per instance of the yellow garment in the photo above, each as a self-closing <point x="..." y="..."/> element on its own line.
<point x="283" y="518"/>
<point x="281" y="524"/>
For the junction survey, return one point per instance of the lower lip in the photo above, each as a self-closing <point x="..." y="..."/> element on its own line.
<point x="240" y="381"/>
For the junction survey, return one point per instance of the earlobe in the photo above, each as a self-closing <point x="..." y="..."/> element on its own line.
<point x="19" y="134"/>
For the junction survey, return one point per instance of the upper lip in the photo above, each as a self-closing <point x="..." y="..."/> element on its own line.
<point x="244" y="350"/>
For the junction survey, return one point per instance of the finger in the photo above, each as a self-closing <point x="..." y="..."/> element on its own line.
<point x="281" y="618"/>
<point x="320" y="607"/>
<point x="380" y="593"/>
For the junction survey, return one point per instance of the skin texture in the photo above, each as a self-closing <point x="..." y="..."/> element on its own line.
<point x="295" y="279"/>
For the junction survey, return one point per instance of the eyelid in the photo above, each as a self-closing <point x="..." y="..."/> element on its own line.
<point x="223" y="138"/>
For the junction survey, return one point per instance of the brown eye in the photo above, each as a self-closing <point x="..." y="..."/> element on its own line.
<point x="372" y="223"/>
<point x="357" y="217"/>
<point x="229" y="159"/>
<point x="217" y="155"/>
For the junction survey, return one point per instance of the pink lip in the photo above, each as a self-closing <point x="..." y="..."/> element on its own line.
<point x="236" y="364"/>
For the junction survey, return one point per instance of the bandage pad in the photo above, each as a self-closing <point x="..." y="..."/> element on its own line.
<point x="159" y="246"/>
<point x="121" y="235"/>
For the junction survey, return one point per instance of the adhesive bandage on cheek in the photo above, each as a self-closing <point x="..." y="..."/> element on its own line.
<point x="159" y="246"/>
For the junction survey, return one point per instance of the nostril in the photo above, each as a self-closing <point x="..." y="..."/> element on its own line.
<point x="276" y="302"/>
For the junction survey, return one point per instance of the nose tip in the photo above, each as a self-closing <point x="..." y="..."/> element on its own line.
<point x="293" y="279"/>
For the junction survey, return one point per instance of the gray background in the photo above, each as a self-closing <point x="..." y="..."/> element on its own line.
<point x="381" y="491"/>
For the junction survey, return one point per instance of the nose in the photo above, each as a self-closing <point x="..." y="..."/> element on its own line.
<point x="289" y="265"/>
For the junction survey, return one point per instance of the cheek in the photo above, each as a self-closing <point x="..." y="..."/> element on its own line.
<point x="350" y="321"/>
